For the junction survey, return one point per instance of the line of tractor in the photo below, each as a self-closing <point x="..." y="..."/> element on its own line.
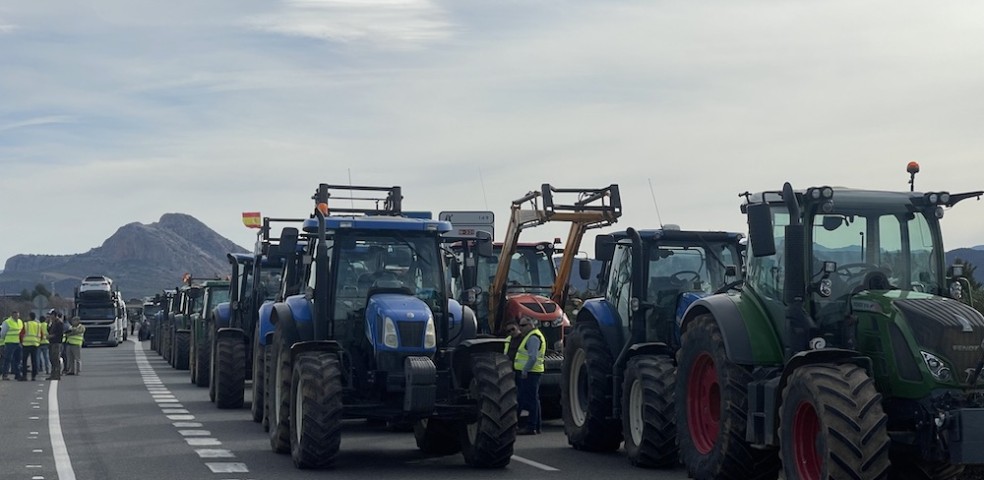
<point x="831" y="342"/>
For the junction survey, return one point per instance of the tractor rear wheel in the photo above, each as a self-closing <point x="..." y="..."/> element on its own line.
<point x="586" y="393"/>
<point x="279" y="395"/>
<point x="832" y="425"/>
<point x="436" y="436"/>
<point x="711" y="418"/>
<point x="182" y="347"/>
<point x="230" y="372"/>
<point x="316" y="410"/>
<point x="488" y="441"/>
<point x="256" y="406"/>
<point x="203" y="361"/>
<point x="648" y="412"/>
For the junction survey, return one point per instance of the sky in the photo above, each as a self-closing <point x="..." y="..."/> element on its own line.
<point x="118" y="111"/>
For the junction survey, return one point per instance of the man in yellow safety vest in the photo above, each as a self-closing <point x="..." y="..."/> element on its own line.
<point x="529" y="368"/>
<point x="10" y="333"/>
<point x="30" y="341"/>
<point x="73" y="339"/>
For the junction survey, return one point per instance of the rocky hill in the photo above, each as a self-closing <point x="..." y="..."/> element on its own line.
<point x="141" y="259"/>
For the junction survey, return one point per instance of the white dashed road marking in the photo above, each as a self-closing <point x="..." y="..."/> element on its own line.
<point x="183" y="419"/>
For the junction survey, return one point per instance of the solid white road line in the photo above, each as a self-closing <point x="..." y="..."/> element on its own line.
<point x="531" y="463"/>
<point x="63" y="464"/>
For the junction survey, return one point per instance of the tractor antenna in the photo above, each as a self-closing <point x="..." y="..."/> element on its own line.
<point x="482" y="180"/>
<point x="913" y="169"/>
<point x="653" y="193"/>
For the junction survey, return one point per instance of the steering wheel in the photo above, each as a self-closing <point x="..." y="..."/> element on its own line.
<point x="852" y="270"/>
<point x="681" y="277"/>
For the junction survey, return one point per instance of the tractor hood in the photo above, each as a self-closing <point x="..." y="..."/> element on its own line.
<point x="542" y="309"/>
<point x="409" y="316"/>
<point x="947" y="333"/>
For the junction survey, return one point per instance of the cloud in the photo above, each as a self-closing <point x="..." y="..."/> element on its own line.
<point x="36" y="122"/>
<point x="384" y="24"/>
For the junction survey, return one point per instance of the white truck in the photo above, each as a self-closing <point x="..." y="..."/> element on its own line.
<point x="102" y="310"/>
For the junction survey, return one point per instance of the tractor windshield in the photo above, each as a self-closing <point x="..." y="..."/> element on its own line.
<point x="674" y="268"/>
<point x="401" y="262"/>
<point x="217" y="296"/>
<point x="898" y="245"/>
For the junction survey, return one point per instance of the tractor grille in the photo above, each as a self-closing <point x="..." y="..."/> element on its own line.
<point x="545" y="307"/>
<point x="947" y="328"/>
<point x="411" y="333"/>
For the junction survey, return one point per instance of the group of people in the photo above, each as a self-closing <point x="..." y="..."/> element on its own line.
<point x="40" y="341"/>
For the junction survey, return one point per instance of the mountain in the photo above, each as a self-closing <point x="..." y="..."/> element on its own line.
<point x="973" y="256"/>
<point x="141" y="259"/>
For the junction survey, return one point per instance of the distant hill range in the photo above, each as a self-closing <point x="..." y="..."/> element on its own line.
<point x="141" y="259"/>
<point x="974" y="256"/>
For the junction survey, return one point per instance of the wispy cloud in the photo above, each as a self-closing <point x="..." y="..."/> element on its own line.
<point x="37" y="122"/>
<point x="384" y="24"/>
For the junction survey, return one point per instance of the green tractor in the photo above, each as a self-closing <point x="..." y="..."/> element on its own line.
<point x="846" y="353"/>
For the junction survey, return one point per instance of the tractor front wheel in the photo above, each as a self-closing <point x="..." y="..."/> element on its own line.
<point x="711" y="418"/>
<point x="182" y="350"/>
<point x="648" y="412"/>
<point x="279" y="395"/>
<point x="230" y="372"/>
<point x="256" y="406"/>
<point x="316" y="410"/>
<point x="586" y="393"/>
<point x="832" y="425"/>
<point x="488" y="441"/>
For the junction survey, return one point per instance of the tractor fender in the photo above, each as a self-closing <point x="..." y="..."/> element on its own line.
<point x="313" y="346"/>
<point x="283" y="319"/>
<point x="603" y="313"/>
<point x="738" y="343"/>
<point x="461" y="357"/>
<point x="835" y="356"/>
<point x="265" y="326"/>
<point x="301" y="317"/>
<point x="650" y="348"/>
<point x="230" y="332"/>
<point x="222" y="315"/>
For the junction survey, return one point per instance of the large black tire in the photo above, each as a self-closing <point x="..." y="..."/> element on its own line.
<point x="256" y="406"/>
<point x="230" y="371"/>
<point x="182" y="350"/>
<point x="436" y="436"/>
<point x="832" y="425"/>
<point x="279" y="395"/>
<point x="712" y="436"/>
<point x="648" y="412"/>
<point x="488" y="441"/>
<point x="203" y="363"/>
<point x="910" y="466"/>
<point x="586" y="393"/>
<point x="316" y="410"/>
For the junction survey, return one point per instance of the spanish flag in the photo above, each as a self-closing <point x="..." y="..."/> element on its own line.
<point x="252" y="219"/>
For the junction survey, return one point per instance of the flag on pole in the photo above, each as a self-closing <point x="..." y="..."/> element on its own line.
<point x="252" y="219"/>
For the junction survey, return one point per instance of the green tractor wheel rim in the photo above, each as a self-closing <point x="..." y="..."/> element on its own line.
<point x="704" y="404"/>
<point x="579" y="388"/>
<point x="806" y="428"/>
<point x="636" y="422"/>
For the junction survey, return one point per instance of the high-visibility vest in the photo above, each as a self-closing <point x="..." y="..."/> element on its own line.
<point x="75" y="337"/>
<point x="522" y="357"/>
<point x="32" y="333"/>
<point x="44" y="333"/>
<point x="14" y="328"/>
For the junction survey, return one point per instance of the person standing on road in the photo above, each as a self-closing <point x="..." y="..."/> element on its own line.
<point x="514" y="337"/>
<point x="74" y="339"/>
<point x="44" y="362"/>
<point x="56" y="334"/>
<point x="10" y="333"/>
<point x="529" y="368"/>
<point x="30" y="341"/>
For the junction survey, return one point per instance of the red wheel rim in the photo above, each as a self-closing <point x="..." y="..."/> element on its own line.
<point x="704" y="404"/>
<point x="806" y="429"/>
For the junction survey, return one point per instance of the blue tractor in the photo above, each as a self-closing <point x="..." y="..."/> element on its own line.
<point x="619" y="367"/>
<point x="376" y="336"/>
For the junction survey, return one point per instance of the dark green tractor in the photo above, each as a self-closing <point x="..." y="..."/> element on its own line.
<point x="846" y="353"/>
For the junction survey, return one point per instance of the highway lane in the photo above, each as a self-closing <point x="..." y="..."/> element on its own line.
<point x="130" y="415"/>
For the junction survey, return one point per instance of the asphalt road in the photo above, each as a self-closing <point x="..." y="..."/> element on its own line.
<point x="129" y="415"/>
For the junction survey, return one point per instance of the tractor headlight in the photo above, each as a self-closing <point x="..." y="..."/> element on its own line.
<point x="389" y="333"/>
<point x="937" y="367"/>
<point x="944" y="197"/>
<point x="430" y="334"/>
<point x="956" y="291"/>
